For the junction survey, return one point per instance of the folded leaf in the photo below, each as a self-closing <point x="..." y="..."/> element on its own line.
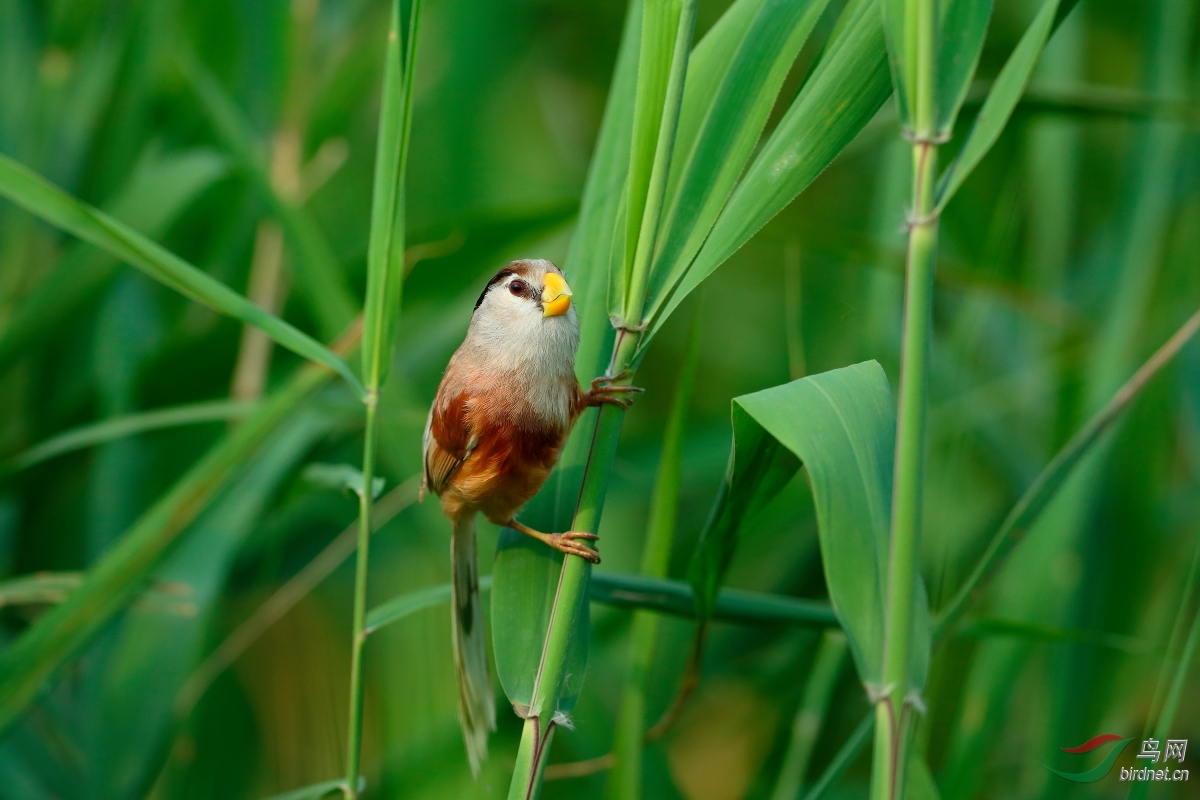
<point x="524" y="583"/>
<point x="841" y="426"/>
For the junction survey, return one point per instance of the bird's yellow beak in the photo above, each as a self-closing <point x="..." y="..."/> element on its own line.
<point x="556" y="297"/>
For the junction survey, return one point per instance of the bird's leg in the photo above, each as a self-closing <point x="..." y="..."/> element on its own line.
<point x="566" y="542"/>
<point x="603" y="391"/>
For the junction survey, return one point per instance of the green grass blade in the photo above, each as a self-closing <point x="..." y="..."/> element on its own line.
<point x="1169" y="688"/>
<point x="963" y="25"/>
<point x="409" y="603"/>
<point x="666" y="43"/>
<point x="161" y="637"/>
<point x="822" y="680"/>
<point x="1173" y="641"/>
<point x="737" y="104"/>
<point x="846" y="88"/>
<point x="625" y="779"/>
<point x="41" y="198"/>
<point x="1056" y="473"/>
<point x="157" y="192"/>
<point x="845" y="756"/>
<point x="627" y="590"/>
<point x="318" y="274"/>
<point x="285" y="598"/>
<point x="709" y="62"/>
<point x="902" y="59"/>
<point x="117" y="578"/>
<point x="596" y="250"/>
<point x="992" y="627"/>
<point x="113" y="428"/>
<point x="1171" y="705"/>
<point x="385" y="251"/>
<point x="1001" y="101"/>
<point x="658" y="25"/>
<point x="732" y="605"/>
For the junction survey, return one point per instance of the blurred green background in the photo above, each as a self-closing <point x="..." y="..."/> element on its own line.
<point x="1066" y="259"/>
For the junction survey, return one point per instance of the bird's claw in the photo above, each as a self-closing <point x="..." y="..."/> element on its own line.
<point x="567" y="543"/>
<point x="604" y="392"/>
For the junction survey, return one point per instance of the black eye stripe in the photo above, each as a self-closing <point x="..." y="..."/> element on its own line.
<point x="500" y="276"/>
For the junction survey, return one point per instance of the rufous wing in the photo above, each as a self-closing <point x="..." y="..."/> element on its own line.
<point x="449" y="440"/>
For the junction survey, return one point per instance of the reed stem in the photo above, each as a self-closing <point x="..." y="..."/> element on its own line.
<point x="572" y="586"/>
<point x="357" y="686"/>
<point x="892" y="719"/>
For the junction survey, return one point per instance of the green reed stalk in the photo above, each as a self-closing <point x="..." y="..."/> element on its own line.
<point x="385" y="277"/>
<point x="625" y="780"/>
<point x="572" y="587"/>
<point x="654" y="136"/>
<point x="357" y="689"/>
<point x="892" y="723"/>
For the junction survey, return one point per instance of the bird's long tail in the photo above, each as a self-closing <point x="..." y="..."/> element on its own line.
<point x="476" y="703"/>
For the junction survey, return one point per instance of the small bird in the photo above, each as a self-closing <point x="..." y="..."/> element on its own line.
<point x="504" y="408"/>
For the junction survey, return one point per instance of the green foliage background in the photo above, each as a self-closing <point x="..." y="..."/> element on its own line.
<point x="1066" y="258"/>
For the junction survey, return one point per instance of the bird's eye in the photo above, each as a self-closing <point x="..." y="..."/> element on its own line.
<point x="517" y="287"/>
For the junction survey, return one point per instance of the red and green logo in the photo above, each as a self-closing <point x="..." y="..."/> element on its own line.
<point x="1100" y="770"/>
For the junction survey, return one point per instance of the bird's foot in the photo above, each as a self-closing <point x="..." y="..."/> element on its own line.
<point x="565" y="542"/>
<point x="603" y="391"/>
<point x="569" y="544"/>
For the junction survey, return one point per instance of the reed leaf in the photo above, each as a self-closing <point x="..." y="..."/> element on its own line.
<point x="33" y="193"/>
<point x="160" y="188"/>
<point x="385" y="249"/>
<point x="113" y="428"/>
<point x="385" y="278"/>
<point x="957" y="41"/>
<point x="840" y="425"/>
<point x="1043" y="490"/>
<point x="733" y="102"/>
<point x="845" y="89"/>
<point x="1001" y="101"/>
<point x="632" y="591"/>
<point x="162" y="636"/>
<point x="319" y="277"/>
<point x="117" y="578"/>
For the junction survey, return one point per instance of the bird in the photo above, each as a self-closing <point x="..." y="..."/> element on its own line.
<point x="505" y="405"/>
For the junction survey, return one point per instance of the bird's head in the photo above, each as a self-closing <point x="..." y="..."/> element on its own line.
<point x="527" y="289"/>
<point x="527" y="305"/>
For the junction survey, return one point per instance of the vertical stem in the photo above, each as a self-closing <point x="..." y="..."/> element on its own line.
<point x="357" y="687"/>
<point x="572" y="587"/>
<point x="385" y="279"/>
<point x="625" y="779"/>
<point x="891" y="727"/>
